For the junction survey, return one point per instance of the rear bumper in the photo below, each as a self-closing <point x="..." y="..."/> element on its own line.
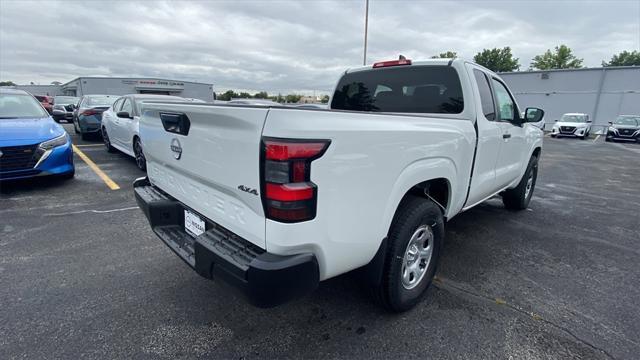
<point x="89" y="124"/>
<point x="265" y="279"/>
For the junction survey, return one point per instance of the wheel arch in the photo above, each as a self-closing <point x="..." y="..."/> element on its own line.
<point x="434" y="178"/>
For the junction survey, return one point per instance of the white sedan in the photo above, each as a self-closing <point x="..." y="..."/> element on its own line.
<point x="120" y="125"/>
<point x="573" y="125"/>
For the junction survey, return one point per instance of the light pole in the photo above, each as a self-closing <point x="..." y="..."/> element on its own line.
<point x="366" y="28"/>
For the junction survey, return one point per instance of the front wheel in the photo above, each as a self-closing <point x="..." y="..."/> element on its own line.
<point x="141" y="161"/>
<point x="413" y="248"/>
<point x="107" y="142"/>
<point x="518" y="198"/>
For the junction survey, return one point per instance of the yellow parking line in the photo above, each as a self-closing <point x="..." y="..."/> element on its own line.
<point x="89" y="145"/>
<point x="107" y="180"/>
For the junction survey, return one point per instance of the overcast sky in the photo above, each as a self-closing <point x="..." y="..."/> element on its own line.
<point x="289" y="46"/>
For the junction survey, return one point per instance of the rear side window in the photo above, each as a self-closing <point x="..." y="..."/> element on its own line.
<point x="486" y="97"/>
<point x="403" y="89"/>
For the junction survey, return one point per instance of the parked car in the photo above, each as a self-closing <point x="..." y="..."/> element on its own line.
<point x="572" y="124"/>
<point x="63" y="107"/>
<point x="31" y="143"/>
<point x="275" y="199"/>
<point x="120" y="125"/>
<point x="88" y="116"/>
<point x="624" y="127"/>
<point x="46" y="101"/>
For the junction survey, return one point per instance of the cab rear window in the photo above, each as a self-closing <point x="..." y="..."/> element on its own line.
<point x="406" y="89"/>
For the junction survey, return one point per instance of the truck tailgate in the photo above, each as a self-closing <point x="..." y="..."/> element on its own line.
<point x="207" y="168"/>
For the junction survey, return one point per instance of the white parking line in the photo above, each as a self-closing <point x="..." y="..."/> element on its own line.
<point x="92" y="211"/>
<point x="596" y="139"/>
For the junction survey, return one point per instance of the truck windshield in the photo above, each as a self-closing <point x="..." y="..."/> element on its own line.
<point x="403" y="89"/>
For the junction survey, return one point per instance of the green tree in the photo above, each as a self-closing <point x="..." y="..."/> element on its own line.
<point x="625" y="58"/>
<point x="7" y="83"/>
<point x="261" y="95"/>
<point x="227" y="95"/>
<point x="446" y="55"/>
<point x="244" y="95"/>
<point x="498" y="60"/>
<point x="324" y="99"/>
<point x="292" y="98"/>
<point x="560" y="58"/>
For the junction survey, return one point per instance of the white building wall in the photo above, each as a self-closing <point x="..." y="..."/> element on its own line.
<point x="603" y="93"/>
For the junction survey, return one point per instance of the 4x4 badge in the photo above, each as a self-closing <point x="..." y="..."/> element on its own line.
<point x="248" y="190"/>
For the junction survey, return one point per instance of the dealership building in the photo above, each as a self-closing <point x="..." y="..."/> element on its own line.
<point x="603" y="93"/>
<point x="122" y="86"/>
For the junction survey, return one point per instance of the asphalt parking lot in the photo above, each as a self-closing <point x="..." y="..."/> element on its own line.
<point x="82" y="275"/>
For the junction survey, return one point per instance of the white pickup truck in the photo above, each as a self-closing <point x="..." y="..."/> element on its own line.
<point x="275" y="199"/>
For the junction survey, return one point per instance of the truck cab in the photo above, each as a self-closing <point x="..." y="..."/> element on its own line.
<point x="275" y="199"/>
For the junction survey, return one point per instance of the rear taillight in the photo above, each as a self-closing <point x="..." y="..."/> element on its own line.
<point x="288" y="195"/>
<point x="90" y="112"/>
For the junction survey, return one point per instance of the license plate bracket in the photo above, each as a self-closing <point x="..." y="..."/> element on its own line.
<point x="194" y="225"/>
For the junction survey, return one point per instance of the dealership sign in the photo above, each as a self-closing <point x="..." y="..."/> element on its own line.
<point x="155" y="84"/>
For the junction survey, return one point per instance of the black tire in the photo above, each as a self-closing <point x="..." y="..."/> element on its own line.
<point x="85" y="136"/>
<point x="608" y="139"/>
<point x="138" y="152"/>
<point x="413" y="214"/>
<point x="553" y="135"/>
<point x="518" y="198"/>
<point x="106" y="141"/>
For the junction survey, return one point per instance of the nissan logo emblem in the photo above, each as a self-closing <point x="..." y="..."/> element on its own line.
<point x="176" y="148"/>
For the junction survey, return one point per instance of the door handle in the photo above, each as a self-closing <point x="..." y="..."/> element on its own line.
<point x="506" y="136"/>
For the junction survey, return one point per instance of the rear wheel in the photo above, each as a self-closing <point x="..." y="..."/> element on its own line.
<point x="107" y="142"/>
<point x="518" y="198"/>
<point x="413" y="248"/>
<point x="141" y="161"/>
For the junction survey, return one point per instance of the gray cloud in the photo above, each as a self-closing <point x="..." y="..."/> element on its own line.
<point x="289" y="46"/>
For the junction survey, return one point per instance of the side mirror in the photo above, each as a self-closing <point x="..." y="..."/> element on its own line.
<point x="533" y="115"/>
<point x="555" y="120"/>
<point x="610" y="122"/>
<point x="124" y="114"/>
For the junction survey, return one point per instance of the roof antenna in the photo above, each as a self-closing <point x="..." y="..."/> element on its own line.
<point x="401" y="57"/>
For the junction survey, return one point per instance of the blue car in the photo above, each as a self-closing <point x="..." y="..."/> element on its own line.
<point x="31" y="143"/>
